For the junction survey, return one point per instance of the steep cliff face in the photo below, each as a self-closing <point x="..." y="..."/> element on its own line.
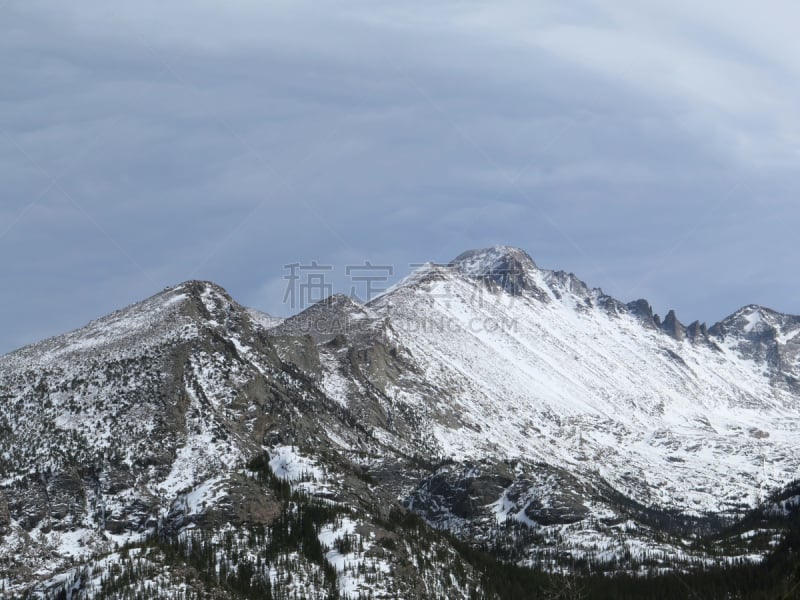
<point x="513" y="407"/>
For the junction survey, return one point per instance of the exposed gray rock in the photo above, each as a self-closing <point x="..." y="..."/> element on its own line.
<point x="509" y="269"/>
<point x="641" y="308"/>
<point x="672" y="327"/>
<point x="145" y="422"/>
<point x="5" y="514"/>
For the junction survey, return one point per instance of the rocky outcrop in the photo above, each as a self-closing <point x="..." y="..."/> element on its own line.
<point x="508" y="269"/>
<point x="5" y="515"/>
<point x="463" y="491"/>
<point x="641" y="308"/>
<point x="697" y="330"/>
<point x="672" y="327"/>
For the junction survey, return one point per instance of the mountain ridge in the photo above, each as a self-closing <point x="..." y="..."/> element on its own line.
<point x="502" y="261"/>
<point x="509" y="406"/>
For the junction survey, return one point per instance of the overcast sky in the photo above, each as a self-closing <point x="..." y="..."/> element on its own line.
<point x="650" y="148"/>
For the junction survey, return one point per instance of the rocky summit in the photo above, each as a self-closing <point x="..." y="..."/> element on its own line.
<point x="484" y="429"/>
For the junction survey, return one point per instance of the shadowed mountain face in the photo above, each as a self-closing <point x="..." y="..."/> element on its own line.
<point x="509" y="405"/>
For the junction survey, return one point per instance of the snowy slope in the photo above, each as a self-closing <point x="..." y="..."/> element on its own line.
<point x="137" y="419"/>
<point x="513" y="406"/>
<point x="531" y="364"/>
<point x="143" y="425"/>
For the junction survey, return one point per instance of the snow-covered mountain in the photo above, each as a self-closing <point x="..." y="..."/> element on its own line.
<point x="508" y="405"/>
<point x="532" y="364"/>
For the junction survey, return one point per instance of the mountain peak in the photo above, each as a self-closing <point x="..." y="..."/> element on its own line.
<point x="756" y="320"/>
<point x="510" y="268"/>
<point x="197" y="288"/>
<point x="485" y="262"/>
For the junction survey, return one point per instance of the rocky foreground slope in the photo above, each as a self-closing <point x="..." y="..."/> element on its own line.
<point x="187" y="445"/>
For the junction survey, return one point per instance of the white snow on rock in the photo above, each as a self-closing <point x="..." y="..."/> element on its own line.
<point x="287" y="463"/>
<point x="353" y="562"/>
<point x="690" y="425"/>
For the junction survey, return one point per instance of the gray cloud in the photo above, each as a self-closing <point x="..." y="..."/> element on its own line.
<point x="648" y="148"/>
